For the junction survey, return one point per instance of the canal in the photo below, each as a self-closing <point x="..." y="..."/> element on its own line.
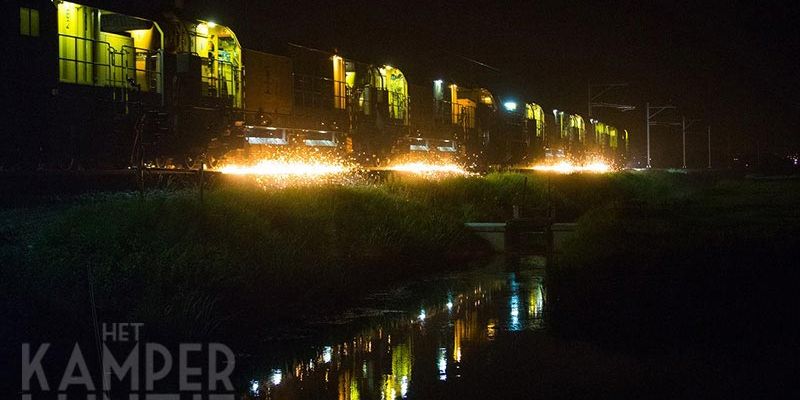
<point x="413" y="341"/>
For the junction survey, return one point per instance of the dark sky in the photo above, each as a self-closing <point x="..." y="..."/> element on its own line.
<point x="731" y="64"/>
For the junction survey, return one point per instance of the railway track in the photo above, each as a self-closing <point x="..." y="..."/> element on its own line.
<point x="18" y="185"/>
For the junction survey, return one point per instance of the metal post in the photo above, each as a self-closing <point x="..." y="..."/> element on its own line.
<point x="709" y="146"/>
<point x="647" y="122"/>
<point x="683" y="132"/>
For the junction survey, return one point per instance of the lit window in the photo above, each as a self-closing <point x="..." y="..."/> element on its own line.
<point x="28" y="21"/>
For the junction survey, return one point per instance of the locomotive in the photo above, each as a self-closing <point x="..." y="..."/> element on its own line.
<point x="96" y="88"/>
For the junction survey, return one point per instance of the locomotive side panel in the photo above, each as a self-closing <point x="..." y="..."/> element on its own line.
<point x="268" y="82"/>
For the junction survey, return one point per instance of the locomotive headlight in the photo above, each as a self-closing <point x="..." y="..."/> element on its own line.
<point x="510" y="106"/>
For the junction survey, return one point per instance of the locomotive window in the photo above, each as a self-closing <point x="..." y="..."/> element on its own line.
<point x="28" y="22"/>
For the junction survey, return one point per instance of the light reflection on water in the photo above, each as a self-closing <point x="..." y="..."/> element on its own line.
<point x="424" y="346"/>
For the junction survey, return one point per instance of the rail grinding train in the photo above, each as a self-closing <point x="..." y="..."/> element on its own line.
<point x="96" y="88"/>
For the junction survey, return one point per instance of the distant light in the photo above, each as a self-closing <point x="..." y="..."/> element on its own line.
<point x="422" y="315"/>
<point x="254" y="387"/>
<point x="442" y="364"/>
<point x="449" y="305"/>
<point x="211" y="24"/>
<point x="277" y="377"/>
<point x="327" y="353"/>
<point x="510" y="105"/>
<point x="438" y="81"/>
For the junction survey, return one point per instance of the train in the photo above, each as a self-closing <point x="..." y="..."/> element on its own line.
<point x="88" y="87"/>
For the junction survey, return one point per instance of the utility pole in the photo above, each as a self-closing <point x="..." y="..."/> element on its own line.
<point x="685" y="124"/>
<point x="649" y="122"/>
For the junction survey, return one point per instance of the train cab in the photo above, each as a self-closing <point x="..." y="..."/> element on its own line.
<point x="535" y="122"/>
<point x="205" y="63"/>
<point x="108" y="49"/>
<point x="379" y="109"/>
<point x="88" y="73"/>
<point x="609" y="141"/>
<point x="204" y="76"/>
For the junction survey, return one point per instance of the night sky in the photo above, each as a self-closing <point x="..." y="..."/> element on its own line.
<point x="730" y="64"/>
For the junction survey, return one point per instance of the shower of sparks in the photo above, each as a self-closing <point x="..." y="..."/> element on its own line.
<point x="429" y="170"/>
<point x="295" y="171"/>
<point x="568" y="167"/>
<point x="286" y="168"/>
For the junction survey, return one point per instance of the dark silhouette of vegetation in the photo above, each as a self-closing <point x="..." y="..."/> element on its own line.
<point x="708" y="274"/>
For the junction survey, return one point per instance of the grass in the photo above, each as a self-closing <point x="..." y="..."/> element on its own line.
<point x="191" y="269"/>
<point x="710" y="272"/>
<point x="246" y="257"/>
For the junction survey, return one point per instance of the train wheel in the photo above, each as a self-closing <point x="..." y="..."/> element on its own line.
<point x="212" y="162"/>
<point x="160" y="162"/>
<point x="191" y="162"/>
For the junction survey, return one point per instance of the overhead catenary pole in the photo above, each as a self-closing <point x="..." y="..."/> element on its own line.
<point x="647" y="123"/>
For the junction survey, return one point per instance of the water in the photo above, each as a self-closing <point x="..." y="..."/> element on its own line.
<point x="414" y="339"/>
